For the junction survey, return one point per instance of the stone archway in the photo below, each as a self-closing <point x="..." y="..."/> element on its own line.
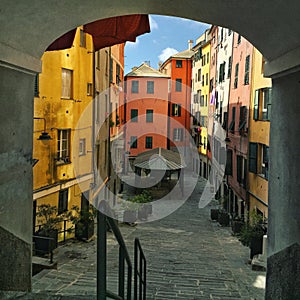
<point x="27" y="30"/>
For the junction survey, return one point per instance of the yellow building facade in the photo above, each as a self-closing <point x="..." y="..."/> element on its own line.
<point x="260" y="109"/>
<point x="72" y="105"/>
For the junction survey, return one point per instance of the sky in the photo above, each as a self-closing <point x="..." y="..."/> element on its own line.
<point x="168" y="36"/>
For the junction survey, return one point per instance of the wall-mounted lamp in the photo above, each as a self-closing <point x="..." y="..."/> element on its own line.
<point x="44" y="136"/>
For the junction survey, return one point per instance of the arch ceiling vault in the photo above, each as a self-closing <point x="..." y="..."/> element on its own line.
<point x="272" y="26"/>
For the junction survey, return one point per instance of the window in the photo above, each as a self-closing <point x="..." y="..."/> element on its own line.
<point x="211" y="85"/>
<point x="232" y="124"/>
<point x="253" y="147"/>
<point x="240" y="170"/>
<point x="63" y="145"/>
<point x="149" y="115"/>
<point x="148" y="142"/>
<point x="63" y="201"/>
<point x="199" y="74"/>
<point x="266" y="104"/>
<point x="82" y="39"/>
<point x="202" y="100"/>
<point x="133" y="142"/>
<point x="206" y="78"/>
<point x="36" y="86"/>
<point x="118" y="74"/>
<point x="247" y="67"/>
<point x="67" y="83"/>
<point x="239" y="39"/>
<point x="178" y="134"/>
<point x="89" y="89"/>
<point x="264" y="161"/>
<point x="176" y="110"/>
<point x="229" y="67"/>
<point x="134" y="115"/>
<point x="82" y="147"/>
<point x="206" y="100"/>
<point x="228" y="169"/>
<point x="111" y="70"/>
<point x="243" y="119"/>
<point x="150" y="87"/>
<point x="204" y="142"/>
<point x="178" y="63"/>
<point x="178" y="87"/>
<point x="97" y="58"/>
<point x="225" y="120"/>
<point x="202" y="80"/>
<point x="134" y="87"/>
<point x="207" y="58"/>
<point x="262" y="104"/>
<point x="222" y="72"/>
<point x="236" y="76"/>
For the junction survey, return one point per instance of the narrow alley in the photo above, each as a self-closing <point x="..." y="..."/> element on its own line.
<point x="188" y="256"/>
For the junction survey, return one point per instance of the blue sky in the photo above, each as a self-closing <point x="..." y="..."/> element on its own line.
<point x="168" y="35"/>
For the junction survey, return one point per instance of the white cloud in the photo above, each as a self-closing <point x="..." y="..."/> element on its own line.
<point x="133" y="44"/>
<point x="166" y="53"/>
<point x="153" y="23"/>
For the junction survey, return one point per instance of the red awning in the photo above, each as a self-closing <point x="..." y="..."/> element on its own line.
<point x="107" y="32"/>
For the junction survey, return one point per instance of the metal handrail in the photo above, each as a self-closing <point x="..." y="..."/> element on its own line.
<point x="140" y="269"/>
<point x="49" y="240"/>
<point x="102" y="292"/>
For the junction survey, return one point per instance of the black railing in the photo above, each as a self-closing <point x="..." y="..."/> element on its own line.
<point x="43" y="246"/>
<point x="124" y="289"/>
<point x="102" y="292"/>
<point x="140" y="269"/>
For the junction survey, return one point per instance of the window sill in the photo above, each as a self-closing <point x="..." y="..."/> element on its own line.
<point x="262" y="176"/>
<point x="62" y="162"/>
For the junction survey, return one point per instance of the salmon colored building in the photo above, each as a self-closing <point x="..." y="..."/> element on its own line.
<point x="238" y="112"/>
<point x="145" y="110"/>
<point x="179" y="68"/>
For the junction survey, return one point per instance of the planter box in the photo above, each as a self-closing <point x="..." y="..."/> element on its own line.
<point x="236" y="226"/>
<point x="145" y="211"/>
<point x="129" y="216"/>
<point x="256" y="245"/>
<point x="84" y="231"/>
<point x="223" y="219"/>
<point x="214" y="214"/>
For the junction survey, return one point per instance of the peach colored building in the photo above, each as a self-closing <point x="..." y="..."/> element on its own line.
<point x="146" y="110"/>
<point x="238" y="124"/>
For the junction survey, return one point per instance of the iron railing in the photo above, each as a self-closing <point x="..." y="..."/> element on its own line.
<point x="102" y="292"/>
<point x="140" y="269"/>
<point x="124" y="289"/>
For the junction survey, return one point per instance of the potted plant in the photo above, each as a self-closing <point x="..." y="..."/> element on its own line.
<point x="145" y="209"/>
<point x="237" y="225"/>
<point x="130" y="211"/>
<point x="84" y="221"/>
<point x="223" y="218"/>
<point x="252" y="233"/>
<point x="49" y="229"/>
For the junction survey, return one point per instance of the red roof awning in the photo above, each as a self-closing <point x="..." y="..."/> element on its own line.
<point x="107" y="32"/>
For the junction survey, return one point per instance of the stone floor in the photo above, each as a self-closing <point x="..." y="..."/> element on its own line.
<point x="188" y="256"/>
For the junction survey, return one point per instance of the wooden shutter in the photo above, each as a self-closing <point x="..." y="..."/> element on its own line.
<point x="253" y="147"/>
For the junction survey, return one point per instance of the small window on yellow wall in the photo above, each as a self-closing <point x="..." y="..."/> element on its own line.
<point x="67" y="84"/>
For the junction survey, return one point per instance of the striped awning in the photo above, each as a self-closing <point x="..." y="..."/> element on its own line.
<point x="159" y="159"/>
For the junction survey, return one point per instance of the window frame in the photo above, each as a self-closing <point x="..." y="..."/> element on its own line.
<point x="134" y="114"/>
<point x="149" y="115"/>
<point x="178" y="134"/>
<point x="178" y="85"/>
<point x="176" y="110"/>
<point x="148" y="142"/>
<point x="63" y="151"/>
<point x="67" y="84"/>
<point x="150" y="87"/>
<point x="134" y="86"/>
<point x="133" y="142"/>
<point x="178" y="63"/>
<point x="82" y="147"/>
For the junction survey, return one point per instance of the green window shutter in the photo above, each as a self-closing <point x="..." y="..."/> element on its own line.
<point x="256" y="105"/>
<point x="253" y="147"/>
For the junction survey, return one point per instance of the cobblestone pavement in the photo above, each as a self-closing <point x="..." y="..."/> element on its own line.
<point x="188" y="256"/>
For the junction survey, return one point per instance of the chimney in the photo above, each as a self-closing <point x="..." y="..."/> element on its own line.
<point x="133" y="68"/>
<point x="190" y="44"/>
